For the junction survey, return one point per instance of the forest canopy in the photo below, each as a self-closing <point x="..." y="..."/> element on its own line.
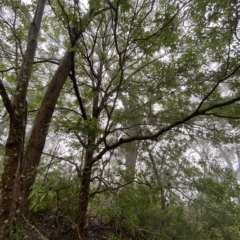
<point x="125" y="111"/>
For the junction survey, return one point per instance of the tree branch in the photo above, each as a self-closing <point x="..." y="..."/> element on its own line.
<point x="154" y="136"/>
<point x="35" y="62"/>
<point x="6" y="100"/>
<point x="75" y="86"/>
<point x="216" y="85"/>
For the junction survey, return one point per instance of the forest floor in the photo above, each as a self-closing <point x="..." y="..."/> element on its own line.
<point x="45" y="228"/>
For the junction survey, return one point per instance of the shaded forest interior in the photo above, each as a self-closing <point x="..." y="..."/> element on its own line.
<point x="119" y="119"/>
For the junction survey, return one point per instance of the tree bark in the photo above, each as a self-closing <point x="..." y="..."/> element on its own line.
<point x="86" y="173"/>
<point x="131" y="150"/>
<point x="15" y="141"/>
<point x="84" y="197"/>
<point x="39" y="132"/>
<point x="131" y="154"/>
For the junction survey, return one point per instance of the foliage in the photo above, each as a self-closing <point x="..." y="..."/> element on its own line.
<point x="55" y="194"/>
<point x="151" y="83"/>
<point x="137" y="209"/>
<point x="19" y="234"/>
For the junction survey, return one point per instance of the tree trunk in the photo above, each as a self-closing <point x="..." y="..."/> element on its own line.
<point x="13" y="149"/>
<point x="131" y="149"/>
<point x="84" y="197"/>
<point x="86" y="174"/>
<point x="131" y="154"/>
<point x="15" y="141"/>
<point x="157" y="177"/>
<point x="39" y="132"/>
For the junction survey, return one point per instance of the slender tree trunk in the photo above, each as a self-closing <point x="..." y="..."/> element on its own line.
<point x="131" y="154"/>
<point x="84" y="197"/>
<point x="157" y="177"/>
<point x="15" y="141"/>
<point x="86" y="174"/>
<point x="131" y="149"/>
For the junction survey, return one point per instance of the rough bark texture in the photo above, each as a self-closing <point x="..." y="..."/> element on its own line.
<point x="15" y="141"/>
<point x="13" y="149"/>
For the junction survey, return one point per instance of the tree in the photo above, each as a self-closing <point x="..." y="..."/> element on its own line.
<point x="140" y="72"/>
<point x="19" y="165"/>
<point x="127" y="59"/>
<point x="17" y="110"/>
